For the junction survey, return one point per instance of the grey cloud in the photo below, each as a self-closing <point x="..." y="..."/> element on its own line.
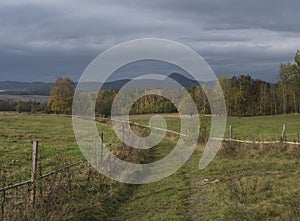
<point x="236" y="14"/>
<point x="43" y="39"/>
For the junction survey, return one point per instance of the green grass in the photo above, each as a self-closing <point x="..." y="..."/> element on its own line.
<point x="163" y="200"/>
<point x="267" y="128"/>
<point x="243" y="182"/>
<point x="79" y="193"/>
<point x="255" y="183"/>
<point x="57" y="144"/>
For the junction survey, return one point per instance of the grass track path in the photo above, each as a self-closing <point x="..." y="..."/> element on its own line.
<point x="177" y="197"/>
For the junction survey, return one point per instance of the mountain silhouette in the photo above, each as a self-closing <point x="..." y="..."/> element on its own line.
<point x="41" y="88"/>
<point x="184" y="81"/>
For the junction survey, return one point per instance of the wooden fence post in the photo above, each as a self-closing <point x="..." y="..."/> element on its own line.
<point x="35" y="146"/>
<point x="283" y="136"/>
<point x="123" y="134"/>
<point x="102" y="136"/>
<point x="3" y="204"/>
<point x="230" y="133"/>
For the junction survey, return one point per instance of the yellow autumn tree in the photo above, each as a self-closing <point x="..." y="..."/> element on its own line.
<point x="61" y="96"/>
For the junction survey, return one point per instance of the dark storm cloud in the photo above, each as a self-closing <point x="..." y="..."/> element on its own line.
<point x="40" y="40"/>
<point x="235" y="14"/>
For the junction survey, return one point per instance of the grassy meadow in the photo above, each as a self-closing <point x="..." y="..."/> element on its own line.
<point x="243" y="182"/>
<point x="57" y="144"/>
<point x="261" y="128"/>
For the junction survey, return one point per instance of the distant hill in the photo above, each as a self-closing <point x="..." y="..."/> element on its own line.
<point x="25" y="88"/>
<point x="184" y="81"/>
<point x="142" y="83"/>
<point x="41" y="88"/>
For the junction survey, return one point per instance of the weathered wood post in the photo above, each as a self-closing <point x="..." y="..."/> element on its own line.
<point x="283" y="136"/>
<point x="123" y="134"/>
<point x="3" y="204"/>
<point x="35" y="145"/>
<point x="101" y="152"/>
<point x="230" y="133"/>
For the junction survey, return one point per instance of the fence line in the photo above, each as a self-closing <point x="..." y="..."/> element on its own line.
<point x="230" y="139"/>
<point x="13" y="186"/>
<point x="261" y="142"/>
<point x="282" y="141"/>
<point x="151" y="127"/>
<point x="59" y="170"/>
<point x="282" y="137"/>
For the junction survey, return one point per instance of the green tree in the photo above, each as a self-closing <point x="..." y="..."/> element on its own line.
<point x="104" y="102"/>
<point x="289" y="75"/>
<point x="226" y="87"/>
<point x="297" y="58"/>
<point x="24" y="106"/>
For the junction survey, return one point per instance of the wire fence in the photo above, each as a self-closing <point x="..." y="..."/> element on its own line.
<point x="282" y="140"/>
<point x="13" y="186"/>
<point x="22" y="196"/>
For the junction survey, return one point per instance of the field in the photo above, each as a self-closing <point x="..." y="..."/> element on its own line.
<point x="264" y="128"/>
<point x="56" y="138"/>
<point x="243" y="182"/>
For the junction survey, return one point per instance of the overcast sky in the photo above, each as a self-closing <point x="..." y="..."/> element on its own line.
<point x="40" y="40"/>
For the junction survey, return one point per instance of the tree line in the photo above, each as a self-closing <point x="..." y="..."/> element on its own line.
<point x="22" y="106"/>
<point x="244" y="96"/>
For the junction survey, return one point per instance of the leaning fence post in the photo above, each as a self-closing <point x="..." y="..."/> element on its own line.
<point x="33" y="170"/>
<point x="283" y="137"/>
<point x="230" y="133"/>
